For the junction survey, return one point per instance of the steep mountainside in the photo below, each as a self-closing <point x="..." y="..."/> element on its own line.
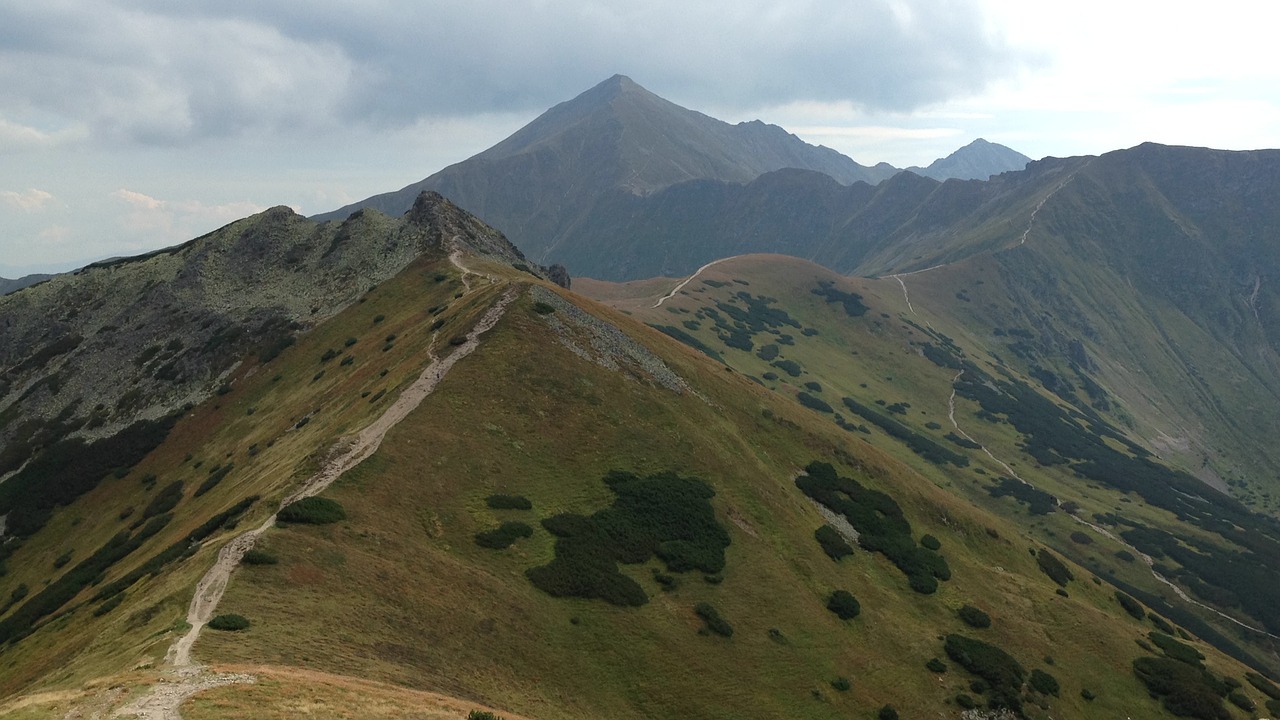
<point x="614" y="139"/>
<point x="466" y="488"/>
<point x="978" y="160"/>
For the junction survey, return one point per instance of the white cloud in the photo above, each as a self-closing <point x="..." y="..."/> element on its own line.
<point x="27" y="201"/>
<point x="162" y="221"/>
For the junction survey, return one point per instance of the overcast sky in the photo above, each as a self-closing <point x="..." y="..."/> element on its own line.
<point x="127" y="126"/>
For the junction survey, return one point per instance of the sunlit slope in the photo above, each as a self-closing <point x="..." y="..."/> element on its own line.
<point x="402" y="592"/>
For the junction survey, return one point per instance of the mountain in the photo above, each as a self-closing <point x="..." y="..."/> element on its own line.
<point x="978" y="160"/>
<point x="7" y="286"/>
<point x="616" y="139"/>
<point x="380" y="467"/>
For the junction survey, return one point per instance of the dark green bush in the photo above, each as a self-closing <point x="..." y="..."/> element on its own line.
<point x="841" y="684"/>
<point x="936" y="665"/>
<point x="508" y="502"/>
<point x="259" y="557"/>
<point x="62" y="560"/>
<point x="312" y="511"/>
<point x="1185" y="690"/>
<point x="1175" y="649"/>
<point x="966" y="701"/>
<point x="663" y="515"/>
<point x="1131" y="606"/>
<point x="813" y="403"/>
<point x="887" y="713"/>
<point x="503" y="536"/>
<point x="711" y="617"/>
<point x="111" y="604"/>
<point x="790" y="367"/>
<point x="1081" y="538"/>
<point x="229" y="622"/>
<point x="1241" y="701"/>
<point x="543" y="308"/>
<point x="215" y="476"/>
<point x="917" y="443"/>
<point x="1263" y="685"/>
<point x="164" y="501"/>
<point x="1088" y="694"/>
<point x="882" y="527"/>
<point x="1044" y="683"/>
<point x="482" y="715"/>
<point x="832" y="542"/>
<point x="973" y="617"/>
<point x="1053" y="567"/>
<point x="930" y="542"/>
<point x="1125" y="555"/>
<point x="1161" y="624"/>
<point x="844" y="605"/>
<point x="1002" y="673"/>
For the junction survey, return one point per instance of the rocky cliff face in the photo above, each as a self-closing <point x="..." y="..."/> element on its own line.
<point x="91" y="352"/>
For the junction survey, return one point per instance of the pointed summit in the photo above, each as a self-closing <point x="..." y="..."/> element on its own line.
<point x="617" y="138"/>
<point x="978" y="160"/>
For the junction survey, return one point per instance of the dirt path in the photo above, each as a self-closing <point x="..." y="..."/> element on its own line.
<point x="163" y="702"/>
<point x="686" y="281"/>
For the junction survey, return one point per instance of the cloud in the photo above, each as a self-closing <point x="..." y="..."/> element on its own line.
<point x="174" y="221"/>
<point x="27" y="201"/>
<point x="180" y="70"/>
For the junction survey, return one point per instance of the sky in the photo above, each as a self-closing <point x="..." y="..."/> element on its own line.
<point x="129" y="126"/>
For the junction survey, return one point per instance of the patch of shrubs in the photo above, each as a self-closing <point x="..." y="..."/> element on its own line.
<point x="503" y="536"/>
<point x="1184" y="690"/>
<point x="712" y="619"/>
<point x="1002" y="674"/>
<point x="832" y="542"/>
<point x="1263" y="685"/>
<point x="1241" y="701"/>
<point x="215" y="477"/>
<point x="1038" y="501"/>
<point x="973" y="617"/>
<point x="543" y="308"/>
<point x="482" y="715"/>
<point x="882" y="527"/>
<point x="1131" y="606"/>
<point x="508" y="502"/>
<point x="108" y="606"/>
<point x="1044" y="683"/>
<point x="844" y="605"/>
<point x="165" y="500"/>
<point x="1176" y="650"/>
<point x="790" y="367"/>
<point x="664" y="515"/>
<point x="1050" y="565"/>
<point x="841" y="684"/>
<point x="852" y="302"/>
<point x="919" y="444"/>
<point x="312" y="511"/>
<point x="936" y="665"/>
<point x="814" y="403"/>
<point x="887" y="713"/>
<point x="229" y="622"/>
<point x="930" y="542"/>
<point x="693" y="342"/>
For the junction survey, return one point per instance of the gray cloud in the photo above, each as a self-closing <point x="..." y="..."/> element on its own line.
<point x="168" y="72"/>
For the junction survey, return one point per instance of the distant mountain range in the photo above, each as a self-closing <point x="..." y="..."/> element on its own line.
<point x="557" y="183"/>
<point x="7" y="286"/>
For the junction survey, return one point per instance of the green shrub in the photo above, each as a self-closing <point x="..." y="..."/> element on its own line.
<point x="1241" y="701"/>
<point x="1184" y="690"/>
<point x="714" y="622"/>
<point x="1263" y="685"/>
<point x="62" y="560"/>
<point x="164" y="501"/>
<point x="936" y="665"/>
<point x="813" y="403"/>
<point x="543" y="308"/>
<point x="259" y="557"/>
<point x="965" y="701"/>
<point x="844" y="605"/>
<point x="1050" y="565"/>
<point x="215" y="476"/>
<point x="312" y="511"/>
<point x="111" y="604"/>
<point x="832" y="542"/>
<point x="1175" y="649"/>
<point x="973" y="617"/>
<point x="790" y="367"/>
<point x="230" y="622"/>
<point x="508" y="502"/>
<point x="1131" y="606"/>
<point x="841" y="684"/>
<point x="1044" y="683"/>
<point x="504" y="536"/>
<point x="1088" y="694"/>
<point x="1161" y="624"/>
<point x="887" y="713"/>
<point x="930" y="542"/>
<point x="881" y="525"/>
<point x="1002" y="673"/>
<point x="663" y="515"/>
<point x="482" y="715"/>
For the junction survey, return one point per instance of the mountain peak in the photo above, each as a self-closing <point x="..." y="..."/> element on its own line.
<point x="978" y="160"/>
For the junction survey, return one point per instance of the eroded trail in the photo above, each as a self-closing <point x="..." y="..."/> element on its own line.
<point x="686" y="281"/>
<point x="190" y="678"/>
